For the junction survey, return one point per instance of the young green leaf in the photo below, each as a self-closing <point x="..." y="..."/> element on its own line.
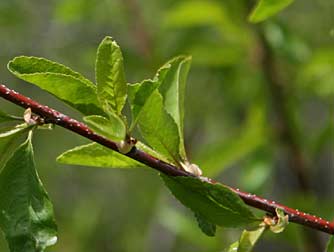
<point x="233" y="247"/>
<point x="7" y="118"/>
<point x="214" y="202"/>
<point x="143" y="147"/>
<point x="139" y="94"/>
<point x="248" y="239"/>
<point x="207" y="227"/>
<point x="159" y="129"/>
<point x="59" y="80"/>
<point x="172" y="89"/>
<point x="112" y="128"/>
<point x="8" y="140"/>
<point x="26" y="213"/>
<point x="330" y="244"/>
<point x="283" y="221"/>
<point x="98" y="156"/>
<point x="267" y="8"/>
<point x="110" y="77"/>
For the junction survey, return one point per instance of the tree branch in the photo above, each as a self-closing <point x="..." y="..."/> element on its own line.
<point x="52" y="116"/>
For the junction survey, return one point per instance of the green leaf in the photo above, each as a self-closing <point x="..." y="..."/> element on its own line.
<point x="330" y="244"/>
<point x="267" y="8"/>
<point x="172" y="89"/>
<point x="159" y="129"/>
<point x="143" y="147"/>
<point x="8" y="140"/>
<point x="283" y="221"/>
<point x="4" y="117"/>
<point x="233" y="247"/>
<point x="317" y="75"/>
<point x="248" y="239"/>
<point x="59" y="80"/>
<point x="214" y="202"/>
<point x="98" y="156"/>
<point x="139" y="94"/>
<point x="207" y="227"/>
<point x="110" y="77"/>
<point x="26" y="213"/>
<point x="112" y="128"/>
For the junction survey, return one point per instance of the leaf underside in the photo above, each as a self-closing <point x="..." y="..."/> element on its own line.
<point x="26" y="215"/>
<point x="214" y="202"/>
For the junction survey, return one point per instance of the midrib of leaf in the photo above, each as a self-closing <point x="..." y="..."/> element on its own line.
<point x="68" y="71"/>
<point x="111" y="87"/>
<point x="91" y="85"/>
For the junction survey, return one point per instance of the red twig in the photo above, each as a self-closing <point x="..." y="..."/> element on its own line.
<point x="52" y="116"/>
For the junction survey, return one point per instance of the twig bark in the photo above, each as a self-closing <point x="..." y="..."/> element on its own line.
<point x="52" y="116"/>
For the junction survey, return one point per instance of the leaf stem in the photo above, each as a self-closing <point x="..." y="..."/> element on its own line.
<point x="52" y="116"/>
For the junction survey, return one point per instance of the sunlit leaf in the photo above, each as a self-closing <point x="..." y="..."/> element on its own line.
<point x="248" y="239"/>
<point x="110" y="77"/>
<point x="330" y="244"/>
<point x="173" y="90"/>
<point x="112" y="128"/>
<point x="267" y="8"/>
<point x="139" y="94"/>
<point x="96" y="155"/>
<point x="214" y="202"/>
<point x="9" y="140"/>
<point x="59" y="80"/>
<point x="26" y="212"/>
<point x="233" y="247"/>
<point x="159" y="129"/>
<point x="282" y="222"/>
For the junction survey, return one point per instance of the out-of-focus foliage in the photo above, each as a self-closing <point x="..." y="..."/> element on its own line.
<point x="228" y="108"/>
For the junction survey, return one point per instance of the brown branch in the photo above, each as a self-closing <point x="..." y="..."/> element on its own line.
<point x="52" y="116"/>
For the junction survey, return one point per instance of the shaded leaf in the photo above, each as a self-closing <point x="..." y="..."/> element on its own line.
<point x="207" y="227"/>
<point x="172" y="89"/>
<point x="94" y="154"/>
<point x="110" y="77"/>
<point x="248" y="239"/>
<point x="4" y="117"/>
<point x="214" y="202"/>
<point x="267" y="8"/>
<point x="59" y="80"/>
<point x="159" y="129"/>
<point x="330" y="244"/>
<point x="112" y="128"/>
<point x="26" y="215"/>
<point x="9" y="140"/>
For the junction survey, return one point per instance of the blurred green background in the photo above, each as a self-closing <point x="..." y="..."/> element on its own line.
<point x="259" y="114"/>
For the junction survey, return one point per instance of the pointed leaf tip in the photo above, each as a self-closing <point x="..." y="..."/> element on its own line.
<point x="110" y="76"/>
